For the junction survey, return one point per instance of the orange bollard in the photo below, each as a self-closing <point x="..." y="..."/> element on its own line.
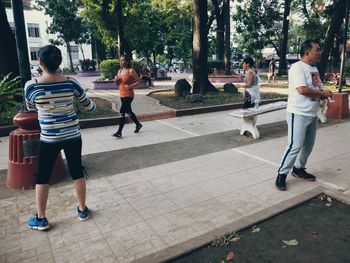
<point x="23" y="154"/>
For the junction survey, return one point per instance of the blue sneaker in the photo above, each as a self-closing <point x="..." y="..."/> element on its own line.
<point x="41" y="225"/>
<point x="83" y="215"/>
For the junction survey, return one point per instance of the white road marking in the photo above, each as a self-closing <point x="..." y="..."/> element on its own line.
<point x="277" y="165"/>
<point x="178" y="128"/>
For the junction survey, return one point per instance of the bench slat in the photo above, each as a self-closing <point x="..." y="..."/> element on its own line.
<point x="241" y="113"/>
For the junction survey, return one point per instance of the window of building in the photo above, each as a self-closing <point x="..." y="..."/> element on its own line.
<point x="34" y="53"/>
<point x="33" y="30"/>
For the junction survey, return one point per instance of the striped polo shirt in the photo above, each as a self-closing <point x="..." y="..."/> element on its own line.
<point x="54" y="103"/>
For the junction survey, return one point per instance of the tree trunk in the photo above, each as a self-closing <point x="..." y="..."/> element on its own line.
<point x="70" y="56"/>
<point x="283" y="62"/>
<point x="226" y="14"/>
<point x="220" y="38"/>
<point x="220" y="30"/>
<point x="82" y="51"/>
<point x="333" y="30"/>
<point x="123" y="45"/>
<point x="8" y="51"/>
<point x="201" y="83"/>
<point x="154" y="57"/>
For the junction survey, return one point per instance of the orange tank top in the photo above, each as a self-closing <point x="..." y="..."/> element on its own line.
<point x="125" y="78"/>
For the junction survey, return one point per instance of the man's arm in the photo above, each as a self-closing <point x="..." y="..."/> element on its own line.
<point x="314" y="93"/>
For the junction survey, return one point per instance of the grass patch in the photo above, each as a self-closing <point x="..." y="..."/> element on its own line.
<point x="103" y="109"/>
<point x="169" y="99"/>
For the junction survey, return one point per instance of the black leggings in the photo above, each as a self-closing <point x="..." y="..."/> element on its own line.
<point x="126" y="108"/>
<point x="48" y="153"/>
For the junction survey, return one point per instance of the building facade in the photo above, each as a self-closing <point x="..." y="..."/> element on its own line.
<point x="36" y="30"/>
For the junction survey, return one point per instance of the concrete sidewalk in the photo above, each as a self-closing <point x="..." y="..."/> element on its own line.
<point x="146" y="210"/>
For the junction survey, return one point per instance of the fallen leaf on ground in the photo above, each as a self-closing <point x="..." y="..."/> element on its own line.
<point x="230" y="256"/>
<point x="292" y="242"/>
<point x="234" y="239"/>
<point x="255" y="229"/>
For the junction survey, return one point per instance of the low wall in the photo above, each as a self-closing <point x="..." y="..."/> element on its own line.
<point x="88" y="73"/>
<point x="224" y="79"/>
<point x="109" y="84"/>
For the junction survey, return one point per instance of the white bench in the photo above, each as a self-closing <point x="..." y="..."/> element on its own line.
<point x="250" y="115"/>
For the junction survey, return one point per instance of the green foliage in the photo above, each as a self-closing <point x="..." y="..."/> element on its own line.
<point x="66" y="22"/>
<point x="88" y="65"/>
<point x="6" y="117"/>
<point x="259" y="23"/>
<point x="215" y="65"/>
<point x="109" y="68"/>
<point x="150" y="26"/>
<point x="10" y="93"/>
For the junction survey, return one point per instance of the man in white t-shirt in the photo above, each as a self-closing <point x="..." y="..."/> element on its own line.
<point x="305" y="90"/>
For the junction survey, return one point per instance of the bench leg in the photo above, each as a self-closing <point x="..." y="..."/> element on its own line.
<point x="249" y="124"/>
<point x="321" y="113"/>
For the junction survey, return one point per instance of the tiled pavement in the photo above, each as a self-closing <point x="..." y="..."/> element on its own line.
<point x="144" y="211"/>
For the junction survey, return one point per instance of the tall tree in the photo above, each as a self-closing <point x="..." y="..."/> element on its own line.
<point x="66" y="22"/>
<point x="227" y="57"/>
<point x="336" y="20"/>
<point x="220" y="28"/>
<point x="201" y="26"/>
<point x="284" y="41"/>
<point x="124" y="48"/>
<point x="8" y="51"/>
<point x="258" y="23"/>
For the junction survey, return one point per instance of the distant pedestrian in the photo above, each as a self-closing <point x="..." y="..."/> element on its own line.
<point x="127" y="79"/>
<point x="251" y="84"/>
<point x="146" y="74"/>
<point x="52" y="95"/>
<point x="305" y="90"/>
<point x="272" y="69"/>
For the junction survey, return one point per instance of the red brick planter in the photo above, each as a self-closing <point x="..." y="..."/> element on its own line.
<point x="340" y="108"/>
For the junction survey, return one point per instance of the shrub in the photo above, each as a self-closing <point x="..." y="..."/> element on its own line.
<point x="87" y="65"/>
<point x="10" y="93"/>
<point x="110" y="67"/>
<point x="215" y="65"/>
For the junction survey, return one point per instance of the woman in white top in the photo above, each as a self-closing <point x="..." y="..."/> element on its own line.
<point x="251" y="84"/>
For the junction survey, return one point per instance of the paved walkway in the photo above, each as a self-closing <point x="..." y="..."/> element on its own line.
<point x="142" y="211"/>
<point x="147" y="208"/>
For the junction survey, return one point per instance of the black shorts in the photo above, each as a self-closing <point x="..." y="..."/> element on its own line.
<point x="126" y="104"/>
<point x="48" y="153"/>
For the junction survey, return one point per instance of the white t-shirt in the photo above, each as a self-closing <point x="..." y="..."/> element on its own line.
<point x="303" y="75"/>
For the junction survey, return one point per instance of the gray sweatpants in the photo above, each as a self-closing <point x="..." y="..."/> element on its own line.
<point x="301" y="138"/>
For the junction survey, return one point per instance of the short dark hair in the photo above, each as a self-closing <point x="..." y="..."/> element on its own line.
<point x="127" y="60"/>
<point x="51" y="57"/>
<point x="249" y="60"/>
<point x="307" y="45"/>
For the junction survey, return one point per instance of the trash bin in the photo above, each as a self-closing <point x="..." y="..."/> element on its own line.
<point x="23" y="154"/>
